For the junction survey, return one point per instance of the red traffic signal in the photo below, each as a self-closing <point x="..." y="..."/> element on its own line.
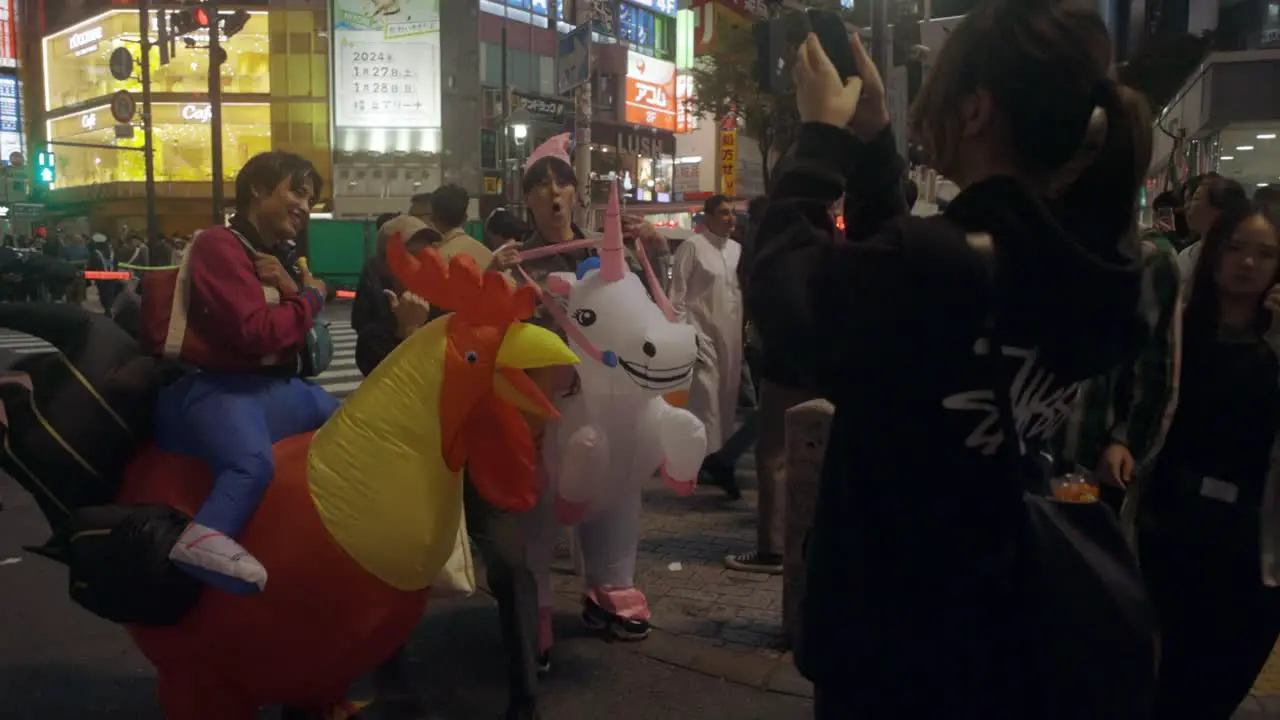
<point x="201" y="16"/>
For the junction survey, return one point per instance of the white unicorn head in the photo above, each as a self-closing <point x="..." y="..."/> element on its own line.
<point x="629" y="344"/>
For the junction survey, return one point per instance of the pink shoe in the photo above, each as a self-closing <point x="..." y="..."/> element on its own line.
<point x="623" y="612"/>
<point x="683" y="488"/>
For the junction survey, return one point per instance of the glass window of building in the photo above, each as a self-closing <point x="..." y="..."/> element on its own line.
<point x="182" y="143"/>
<point x="537" y="7"/>
<point x="646" y="31"/>
<point x="490" y="64"/>
<point x="77" y="69"/>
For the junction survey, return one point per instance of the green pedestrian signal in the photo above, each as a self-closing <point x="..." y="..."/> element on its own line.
<point x="46" y="168"/>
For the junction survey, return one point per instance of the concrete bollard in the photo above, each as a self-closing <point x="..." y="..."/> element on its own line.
<point x="808" y="425"/>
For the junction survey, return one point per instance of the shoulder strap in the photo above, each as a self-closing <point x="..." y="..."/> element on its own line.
<point x="244" y="242"/>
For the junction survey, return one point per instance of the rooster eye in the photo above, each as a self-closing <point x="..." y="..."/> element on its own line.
<point x="585" y="317"/>
<point x="471" y="357"/>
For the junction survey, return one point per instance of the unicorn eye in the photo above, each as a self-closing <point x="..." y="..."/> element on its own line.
<point x="585" y="317"/>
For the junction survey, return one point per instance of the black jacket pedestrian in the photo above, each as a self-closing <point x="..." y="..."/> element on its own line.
<point x="909" y="607"/>
<point x="371" y="316"/>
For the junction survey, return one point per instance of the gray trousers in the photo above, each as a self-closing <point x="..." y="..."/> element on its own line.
<point x="771" y="462"/>
<point x="499" y="536"/>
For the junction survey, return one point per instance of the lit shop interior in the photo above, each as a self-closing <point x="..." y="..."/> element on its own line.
<point x="1250" y="154"/>
<point x="183" y="143"/>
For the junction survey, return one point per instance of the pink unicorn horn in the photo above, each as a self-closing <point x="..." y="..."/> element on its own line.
<point x="613" y="260"/>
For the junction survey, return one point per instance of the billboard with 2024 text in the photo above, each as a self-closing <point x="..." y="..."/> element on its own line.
<point x="386" y="64"/>
<point x="651" y="92"/>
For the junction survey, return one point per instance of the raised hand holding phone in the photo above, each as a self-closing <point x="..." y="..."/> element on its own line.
<point x="821" y="96"/>
<point x="872" y="113"/>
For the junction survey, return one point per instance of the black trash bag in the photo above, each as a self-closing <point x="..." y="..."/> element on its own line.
<point x="118" y="562"/>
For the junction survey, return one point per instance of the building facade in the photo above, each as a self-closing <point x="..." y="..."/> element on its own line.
<point x="275" y="95"/>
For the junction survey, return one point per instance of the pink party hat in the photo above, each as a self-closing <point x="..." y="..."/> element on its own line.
<point x="613" y="261"/>
<point x="557" y="147"/>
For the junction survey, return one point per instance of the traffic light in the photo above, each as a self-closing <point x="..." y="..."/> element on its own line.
<point x="233" y="23"/>
<point x="190" y="20"/>
<point x="46" y="169"/>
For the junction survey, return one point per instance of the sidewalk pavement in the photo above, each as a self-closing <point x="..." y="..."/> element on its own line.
<point x="723" y="622"/>
<point x="452" y="658"/>
<point x="728" y="623"/>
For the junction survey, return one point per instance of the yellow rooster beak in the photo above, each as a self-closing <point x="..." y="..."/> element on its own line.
<point x="526" y="347"/>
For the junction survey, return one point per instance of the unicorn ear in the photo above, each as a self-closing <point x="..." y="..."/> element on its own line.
<point x="560" y="284"/>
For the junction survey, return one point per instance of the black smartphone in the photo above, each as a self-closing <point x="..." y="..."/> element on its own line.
<point x="835" y="40"/>
<point x="777" y="41"/>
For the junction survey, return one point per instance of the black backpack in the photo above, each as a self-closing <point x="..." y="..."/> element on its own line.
<point x="1088" y="633"/>
<point x="118" y="567"/>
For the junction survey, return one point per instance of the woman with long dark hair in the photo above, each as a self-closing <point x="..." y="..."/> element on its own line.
<point x="950" y="347"/>
<point x="1209" y="196"/>
<point x="1207" y="521"/>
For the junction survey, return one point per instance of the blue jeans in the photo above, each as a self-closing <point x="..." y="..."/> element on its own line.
<point x="230" y="422"/>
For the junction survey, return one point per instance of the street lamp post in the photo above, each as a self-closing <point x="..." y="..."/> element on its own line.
<point x="518" y="122"/>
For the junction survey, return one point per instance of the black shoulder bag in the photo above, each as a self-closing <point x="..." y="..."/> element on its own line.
<point x="1089" y="634"/>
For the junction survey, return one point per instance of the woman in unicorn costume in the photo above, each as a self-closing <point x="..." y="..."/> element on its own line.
<point x="615" y="431"/>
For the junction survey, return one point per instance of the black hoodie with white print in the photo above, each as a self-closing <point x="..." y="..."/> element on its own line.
<point x="906" y="604"/>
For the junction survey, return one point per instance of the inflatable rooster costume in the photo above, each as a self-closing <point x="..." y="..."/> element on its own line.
<point x="356" y="525"/>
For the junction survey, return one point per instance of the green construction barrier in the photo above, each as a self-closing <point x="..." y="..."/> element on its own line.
<point x="338" y="248"/>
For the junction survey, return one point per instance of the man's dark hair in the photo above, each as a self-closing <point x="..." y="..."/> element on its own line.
<point x="911" y="191"/>
<point x="503" y="225"/>
<point x="548" y="167"/>
<point x="449" y="207"/>
<point x="1166" y="199"/>
<point x="421" y="199"/>
<point x="383" y="219"/>
<point x="265" y="171"/>
<point x="713" y="204"/>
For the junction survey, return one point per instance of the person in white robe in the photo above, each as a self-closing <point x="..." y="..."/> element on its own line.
<point x="705" y="289"/>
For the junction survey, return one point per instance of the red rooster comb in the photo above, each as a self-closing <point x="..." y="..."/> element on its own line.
<point x="476" y="297"/>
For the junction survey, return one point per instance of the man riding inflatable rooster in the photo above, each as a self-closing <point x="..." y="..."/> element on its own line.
<point x="240" y="319"/>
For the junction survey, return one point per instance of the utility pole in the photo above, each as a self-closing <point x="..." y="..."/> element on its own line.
<point x="216" y="56"/>
<point x="880" y="38"/>
<point x="148" y="153"/>
<point x="504" y="147"/>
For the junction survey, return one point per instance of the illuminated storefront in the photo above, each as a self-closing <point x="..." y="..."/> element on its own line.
<point x="182" y="143"/>
<point x="275" y="91"/>
<point x="77" y="69"/>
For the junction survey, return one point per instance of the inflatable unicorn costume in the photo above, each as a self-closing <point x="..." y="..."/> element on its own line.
<point x="617" y="432"/>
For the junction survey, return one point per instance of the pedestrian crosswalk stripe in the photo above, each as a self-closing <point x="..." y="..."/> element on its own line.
<point x="341" y="379"/>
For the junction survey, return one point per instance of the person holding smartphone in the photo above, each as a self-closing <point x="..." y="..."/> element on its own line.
<point x="912" y="605"/>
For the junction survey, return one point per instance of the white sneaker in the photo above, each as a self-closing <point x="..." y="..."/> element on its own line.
<point x="216" y="559"/>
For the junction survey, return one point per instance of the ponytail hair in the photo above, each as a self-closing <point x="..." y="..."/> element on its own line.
<point x="1117" y="153"/>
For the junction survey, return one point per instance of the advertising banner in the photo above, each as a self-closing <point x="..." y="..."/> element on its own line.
<point x="651" y="92"/>
<point x="8" y="35"/>
<point x="10" y="116"/>
<point x="386" y="64"/>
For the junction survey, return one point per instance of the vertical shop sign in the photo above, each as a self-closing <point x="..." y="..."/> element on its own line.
<point x="684" y="92"/>
<point x="729" y="160"/>
<point x="8" y="35"/>
<point x="651" y="92"/>
<point x="10" y="116"/>
<point x="387" y="66"/>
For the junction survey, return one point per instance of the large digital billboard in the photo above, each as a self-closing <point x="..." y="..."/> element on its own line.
<point x="386" y="64"/>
